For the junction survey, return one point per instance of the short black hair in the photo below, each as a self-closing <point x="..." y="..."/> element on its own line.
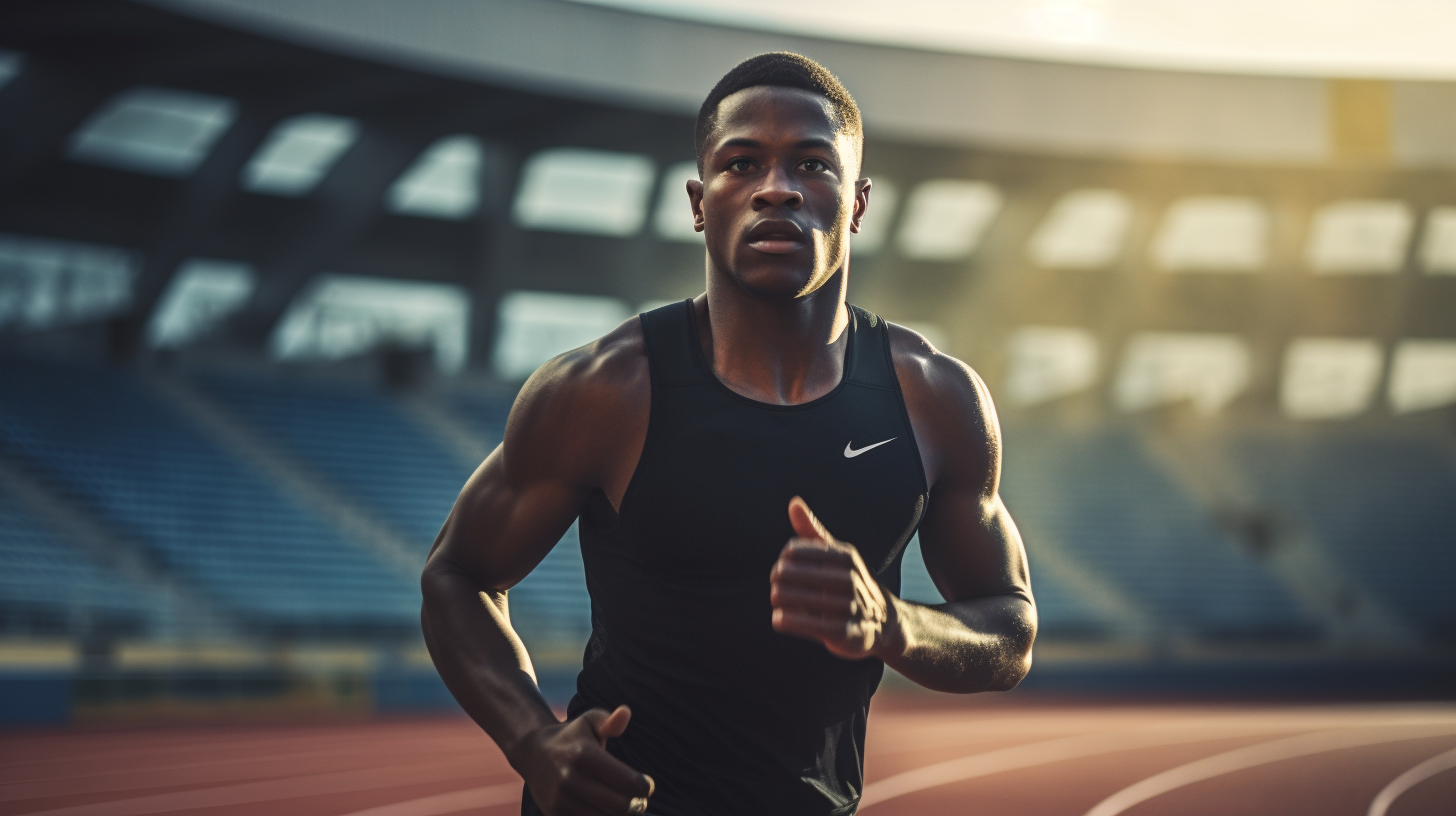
<point x="783" y="69"/>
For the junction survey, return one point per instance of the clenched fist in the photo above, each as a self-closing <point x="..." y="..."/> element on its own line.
<point x="821" y="590"/>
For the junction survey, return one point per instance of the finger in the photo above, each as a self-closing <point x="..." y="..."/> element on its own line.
<point x="592" y="719"/>
<point x="614" y="724"/>
<point x="807" y="600"/>
<point x="805" y="523"/>
<point x="813" y="627"/>
<point x="815" y="577"/>
<point x="814" y="549"/>
<point x="600" y="797"/>
<point x="868" y="595"/>
<point x="616" y="774"/>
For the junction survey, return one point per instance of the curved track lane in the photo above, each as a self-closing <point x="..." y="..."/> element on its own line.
<point x="922" y="759"/>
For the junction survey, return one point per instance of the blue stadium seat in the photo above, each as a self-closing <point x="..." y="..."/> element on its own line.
<point x="551" y="604"/>
<point x="1098" y="494"/>
<point x="101" y="437"/>
<point x="1060" y="612"/>
<point x="354" y="437"/>
<point x="48" y="586"/>
<point x="1381" y="501"/>
<point x="357" y="439"/>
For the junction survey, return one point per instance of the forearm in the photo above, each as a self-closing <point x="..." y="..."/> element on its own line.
<point x="969" y="646"/>
<point x="479" y="656"/>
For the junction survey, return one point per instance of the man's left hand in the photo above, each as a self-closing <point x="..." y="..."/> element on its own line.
<point x="821" y="590"/>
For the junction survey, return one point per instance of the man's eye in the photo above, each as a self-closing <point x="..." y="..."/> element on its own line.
<point x="814" y="165"/>
<point x="740" y="165"/>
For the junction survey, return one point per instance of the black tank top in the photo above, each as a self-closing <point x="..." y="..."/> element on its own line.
<point x="728" y="716"/>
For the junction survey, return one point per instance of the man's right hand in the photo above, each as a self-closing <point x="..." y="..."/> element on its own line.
<point x="570" y="772"/>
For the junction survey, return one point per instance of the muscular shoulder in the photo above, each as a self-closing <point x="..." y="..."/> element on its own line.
<point x="579" y="407"/>
<point x="950" y="409"/>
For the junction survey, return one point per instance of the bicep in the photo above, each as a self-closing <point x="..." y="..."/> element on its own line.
<point x="563" y="434"/>
<point x="972" y="548"/>
<point x="501" y="527"/>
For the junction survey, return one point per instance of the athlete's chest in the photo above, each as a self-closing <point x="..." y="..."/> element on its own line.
<point x="712" y="488"/>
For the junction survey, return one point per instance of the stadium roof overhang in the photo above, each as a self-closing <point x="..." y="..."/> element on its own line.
<point x="313" y="139"/>
<point x="1253" y="88"/>
<point x="1410" y="39"/>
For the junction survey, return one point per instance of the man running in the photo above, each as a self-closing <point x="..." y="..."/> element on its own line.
<point x="747" y="467"/>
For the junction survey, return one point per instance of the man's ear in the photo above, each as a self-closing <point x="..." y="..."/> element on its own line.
<point x="695" y="198"/>
<point x="861" y="203"/>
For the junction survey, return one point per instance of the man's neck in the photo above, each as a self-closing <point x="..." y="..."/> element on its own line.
<point x="784" y="352"/>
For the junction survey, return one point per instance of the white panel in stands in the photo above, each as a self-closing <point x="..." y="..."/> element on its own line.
<point x="200" y="295"/>
<point x="591" y="191"/>
<point x="945" y="219"/>
<point x="1359" y="237"/>
<point x="533" y="327"/>
<point x="1159" y="368"/>
<point x="875" y="227"/>
<point x="46" y="283"/>
<point x="1438" y="246"/>
<point x="1423" y="375"/>
<point x="1212" y="234"/>
<point x="298" y="153"/>
<point x="10" y="64"/>
<point x="1046" y="362"/>
<point x="1084" y="230"/>
<point x="160" y="131"/>
<point x="341" y="316"/>
<point x="444" y="182"/>
<point x="1329" y="377"/>
<point x="674" y="218"/>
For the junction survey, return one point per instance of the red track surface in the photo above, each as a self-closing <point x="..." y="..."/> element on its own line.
<point x="959" y="759"/>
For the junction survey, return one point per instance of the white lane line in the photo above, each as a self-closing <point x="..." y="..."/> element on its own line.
<point x="1248" y="757"/>
<point x="922" y="736"/>
<point x="448" y="802"/>
<point x="1409" y="779"/>
<point x="1039" y="753"/>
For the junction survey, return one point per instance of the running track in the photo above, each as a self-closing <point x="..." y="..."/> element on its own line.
<point x="922" y="759"/>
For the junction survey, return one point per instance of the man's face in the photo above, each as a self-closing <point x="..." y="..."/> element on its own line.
<point x="779" y="194"/>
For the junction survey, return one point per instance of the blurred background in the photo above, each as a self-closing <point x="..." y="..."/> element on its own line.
<point x="272" y="270"/>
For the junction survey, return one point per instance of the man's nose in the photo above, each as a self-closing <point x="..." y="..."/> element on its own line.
<point x="777" y="190"/>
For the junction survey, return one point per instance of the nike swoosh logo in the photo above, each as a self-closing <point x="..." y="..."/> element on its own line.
<point x="850" y="452"/>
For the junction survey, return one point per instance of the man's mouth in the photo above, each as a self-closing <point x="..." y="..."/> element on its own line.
<point x="776" y="237"/>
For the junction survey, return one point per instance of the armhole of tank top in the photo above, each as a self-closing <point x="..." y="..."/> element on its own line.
<point x="905" y="417"/>
<point x="654" y="389"/>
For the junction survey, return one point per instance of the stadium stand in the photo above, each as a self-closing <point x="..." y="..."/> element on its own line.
<point x="350" y="434"/>
<point x="1062" y="614"/>
<point x="358" y="439"/>
<point x="83" y="427"/>
<point x="551" y="605"/>
<point x="1379" y="500"/>
<point x="1100" y="496"/>
<point x="50" y="587"/>
<point x="97" y="435"/>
